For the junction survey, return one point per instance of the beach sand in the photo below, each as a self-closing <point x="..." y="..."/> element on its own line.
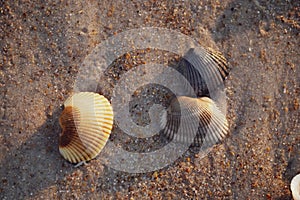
<point x="43" y="45"/>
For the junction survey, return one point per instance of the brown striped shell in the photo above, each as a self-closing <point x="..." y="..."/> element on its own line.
<point x="86" y="123"/>
<point x="208" y="66"/>
<point x="195" y="118"/>
<point x="195" y="121"/>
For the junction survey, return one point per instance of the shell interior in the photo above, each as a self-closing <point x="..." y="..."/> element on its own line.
<point x="86" y="123"/>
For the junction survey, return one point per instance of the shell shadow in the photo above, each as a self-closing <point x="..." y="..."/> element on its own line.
<point x="36" y="163"/>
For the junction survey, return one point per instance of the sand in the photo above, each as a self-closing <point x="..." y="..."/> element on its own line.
<point x="43" y="45"/>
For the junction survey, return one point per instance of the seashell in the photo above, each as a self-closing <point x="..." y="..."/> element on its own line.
<point x="295" y="187"/>
<point x="208" y="66"/>
<point x="86" y="123"/>
<point x="200" y="120"/>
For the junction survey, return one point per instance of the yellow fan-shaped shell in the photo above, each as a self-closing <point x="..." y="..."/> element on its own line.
<point x="86" y="123"/>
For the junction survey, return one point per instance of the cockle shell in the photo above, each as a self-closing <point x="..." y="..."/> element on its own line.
<point x="209" y="66"/>
<point x="86" y="123"/>
<point x="295" y="187"/>
<point x="200" y="120"/>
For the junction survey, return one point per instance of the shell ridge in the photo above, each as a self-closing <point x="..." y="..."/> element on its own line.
<point x="88" y="130"/>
